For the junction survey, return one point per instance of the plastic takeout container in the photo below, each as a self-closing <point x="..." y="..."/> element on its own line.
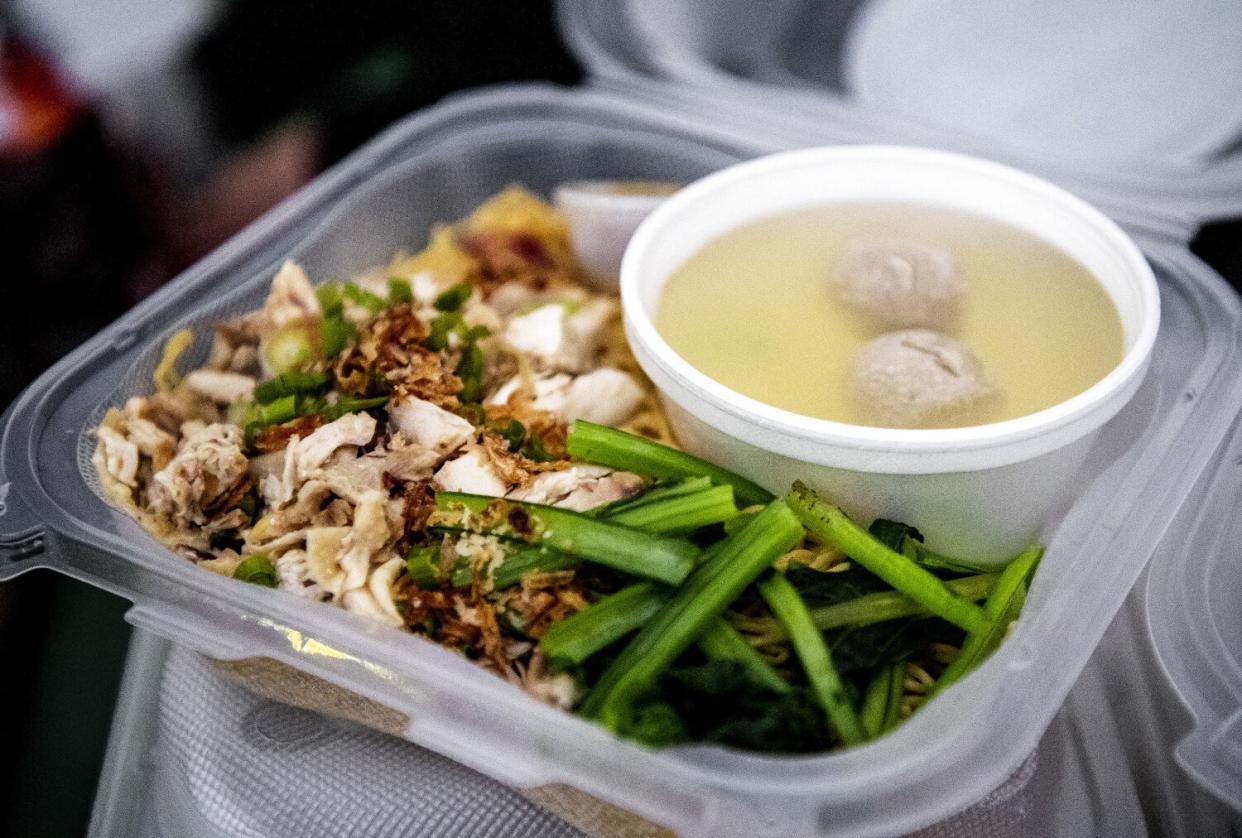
<point x="1139" y="114"/>
<point x="192" y="755"/>
<point x="438" y="165"/>
<point x="979" y="492"/>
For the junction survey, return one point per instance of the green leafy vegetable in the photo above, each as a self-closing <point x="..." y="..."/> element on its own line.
<point x="904" y="539"/>
<point x="610" y="447"/>
<point x="702" y="598"/>
<point x="573" y="640"/>
<point x="817" y="663"/>
<point x="881" y="706"/>
<point x="832" y="526"/>
<point x="722" y="642"/>
<point x="658" y="557"/>
<point x="680" y="514"/>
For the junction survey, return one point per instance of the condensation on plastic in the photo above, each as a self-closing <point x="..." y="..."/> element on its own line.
<point x="438" y="165"/>
<point x="788" y="60"/>
<point x="222" y="761"/>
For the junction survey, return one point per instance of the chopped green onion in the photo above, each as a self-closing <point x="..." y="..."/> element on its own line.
<point x="257" y="570"/>
<point x="631" y="551"/>
<point x="291" y="383"/>
<point x="513" y="434"/>
<point x="453" y="297"/>
<point x="276" y="412"/>
<point x="399" y="290"/>
<point x="288" y="348"/>
<point x="610" y="447"/>
<point x="372" y="302"/>
<point x="474" y="413"/>
<point x="654" y="494"/>
<point x="721" y="641"/>
<point x="701" y="599"/>
<point x="422" y="565"/>
<point x="442" y="327"/>
<point x="808" y="643"/>
<point x="335" y="334"/>
<point x="470" y="371"/>
<point x="535" y="449"/>
<point x="350" y="405"/>
<point x="329" y="295"/>
<point x="833" y="527"/>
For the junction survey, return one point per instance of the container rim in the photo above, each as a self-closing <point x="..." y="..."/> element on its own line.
<point x="759" y="423"/>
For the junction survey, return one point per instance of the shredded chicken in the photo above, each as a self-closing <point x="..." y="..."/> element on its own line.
<point x="209" y="463"/>
<point x="580" y="487"/>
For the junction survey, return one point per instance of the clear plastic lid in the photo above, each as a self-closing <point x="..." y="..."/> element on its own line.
<point x="1135" y="106"/>
<point x="438" y="165"/>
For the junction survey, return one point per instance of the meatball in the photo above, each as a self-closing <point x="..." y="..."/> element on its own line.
<point x="917" y="378"/>
<point x="900" y="284"/>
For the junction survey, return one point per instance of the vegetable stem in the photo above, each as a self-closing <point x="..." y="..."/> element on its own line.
<point x="663" y="558"/>
<point x="881" y="707"/>
<point x="617" y="449"/>
<point x="892" y="605"/>
<point x="700" y="600"/>
<point x="1002" y="607"/>
<point x="721" y="641"/>
<point x="680" y="514"/>
<point x="808" y="643"/>
<point x="573" y="640"/>
<point x="834" y="527"/>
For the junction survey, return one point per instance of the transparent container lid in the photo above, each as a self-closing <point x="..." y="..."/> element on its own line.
<point x="439" y="164"/>
<point x="1137" y="104"/>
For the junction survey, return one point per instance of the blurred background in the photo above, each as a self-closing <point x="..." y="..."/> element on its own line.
<point x="135" y="136"/>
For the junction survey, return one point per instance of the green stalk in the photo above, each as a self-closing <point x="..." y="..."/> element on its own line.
<point x="892" y="605"/>
<point x="721" y="641"/>
<point x="1002" y="607"/>
<point x="516" y="564"/>
<point x="700" y="600"/>
<point x="881" y="707"/>
<point x="618" y="449"/>
<point x="681" y="514"/>
<point x="573" y="640"/>
<point x="654" y="494"/>
<point x="663" y="558"/>
<point x="808" y="643"/>
<point x="832" y="526"/>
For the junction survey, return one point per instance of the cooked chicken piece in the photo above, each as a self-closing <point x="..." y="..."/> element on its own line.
<point x="366" y="538"/>
<point x="542" y="333"/>
<point x="221" y="387"/>
<point x="353" y="477"/>
<point x="431" y="427"/>
<point x="351" y="429"/>
<point x="381" y="584"/>
<point x="305" y="510"/>
<point x="512" y="297"/>
<point x="471" y="472"/>
<point x="323" y="553"/>
<point x="120" y="456"/>
<point x="362" y="602"/>
<point x="266" y="465"/>
<point x="210" y="461"/>
<point x="152" y="440"/>
<point x="580" y="487"/>
<point x="408" y="461"/>
<point x="293" y="575"/>
<point x="292" y="298"/>
<point x="606" y="396"/>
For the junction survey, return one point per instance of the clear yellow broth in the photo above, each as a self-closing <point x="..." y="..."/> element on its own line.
<point x="755" y="310"/>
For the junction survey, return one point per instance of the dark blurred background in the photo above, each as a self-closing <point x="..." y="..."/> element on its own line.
<point x="135" y="136"/>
